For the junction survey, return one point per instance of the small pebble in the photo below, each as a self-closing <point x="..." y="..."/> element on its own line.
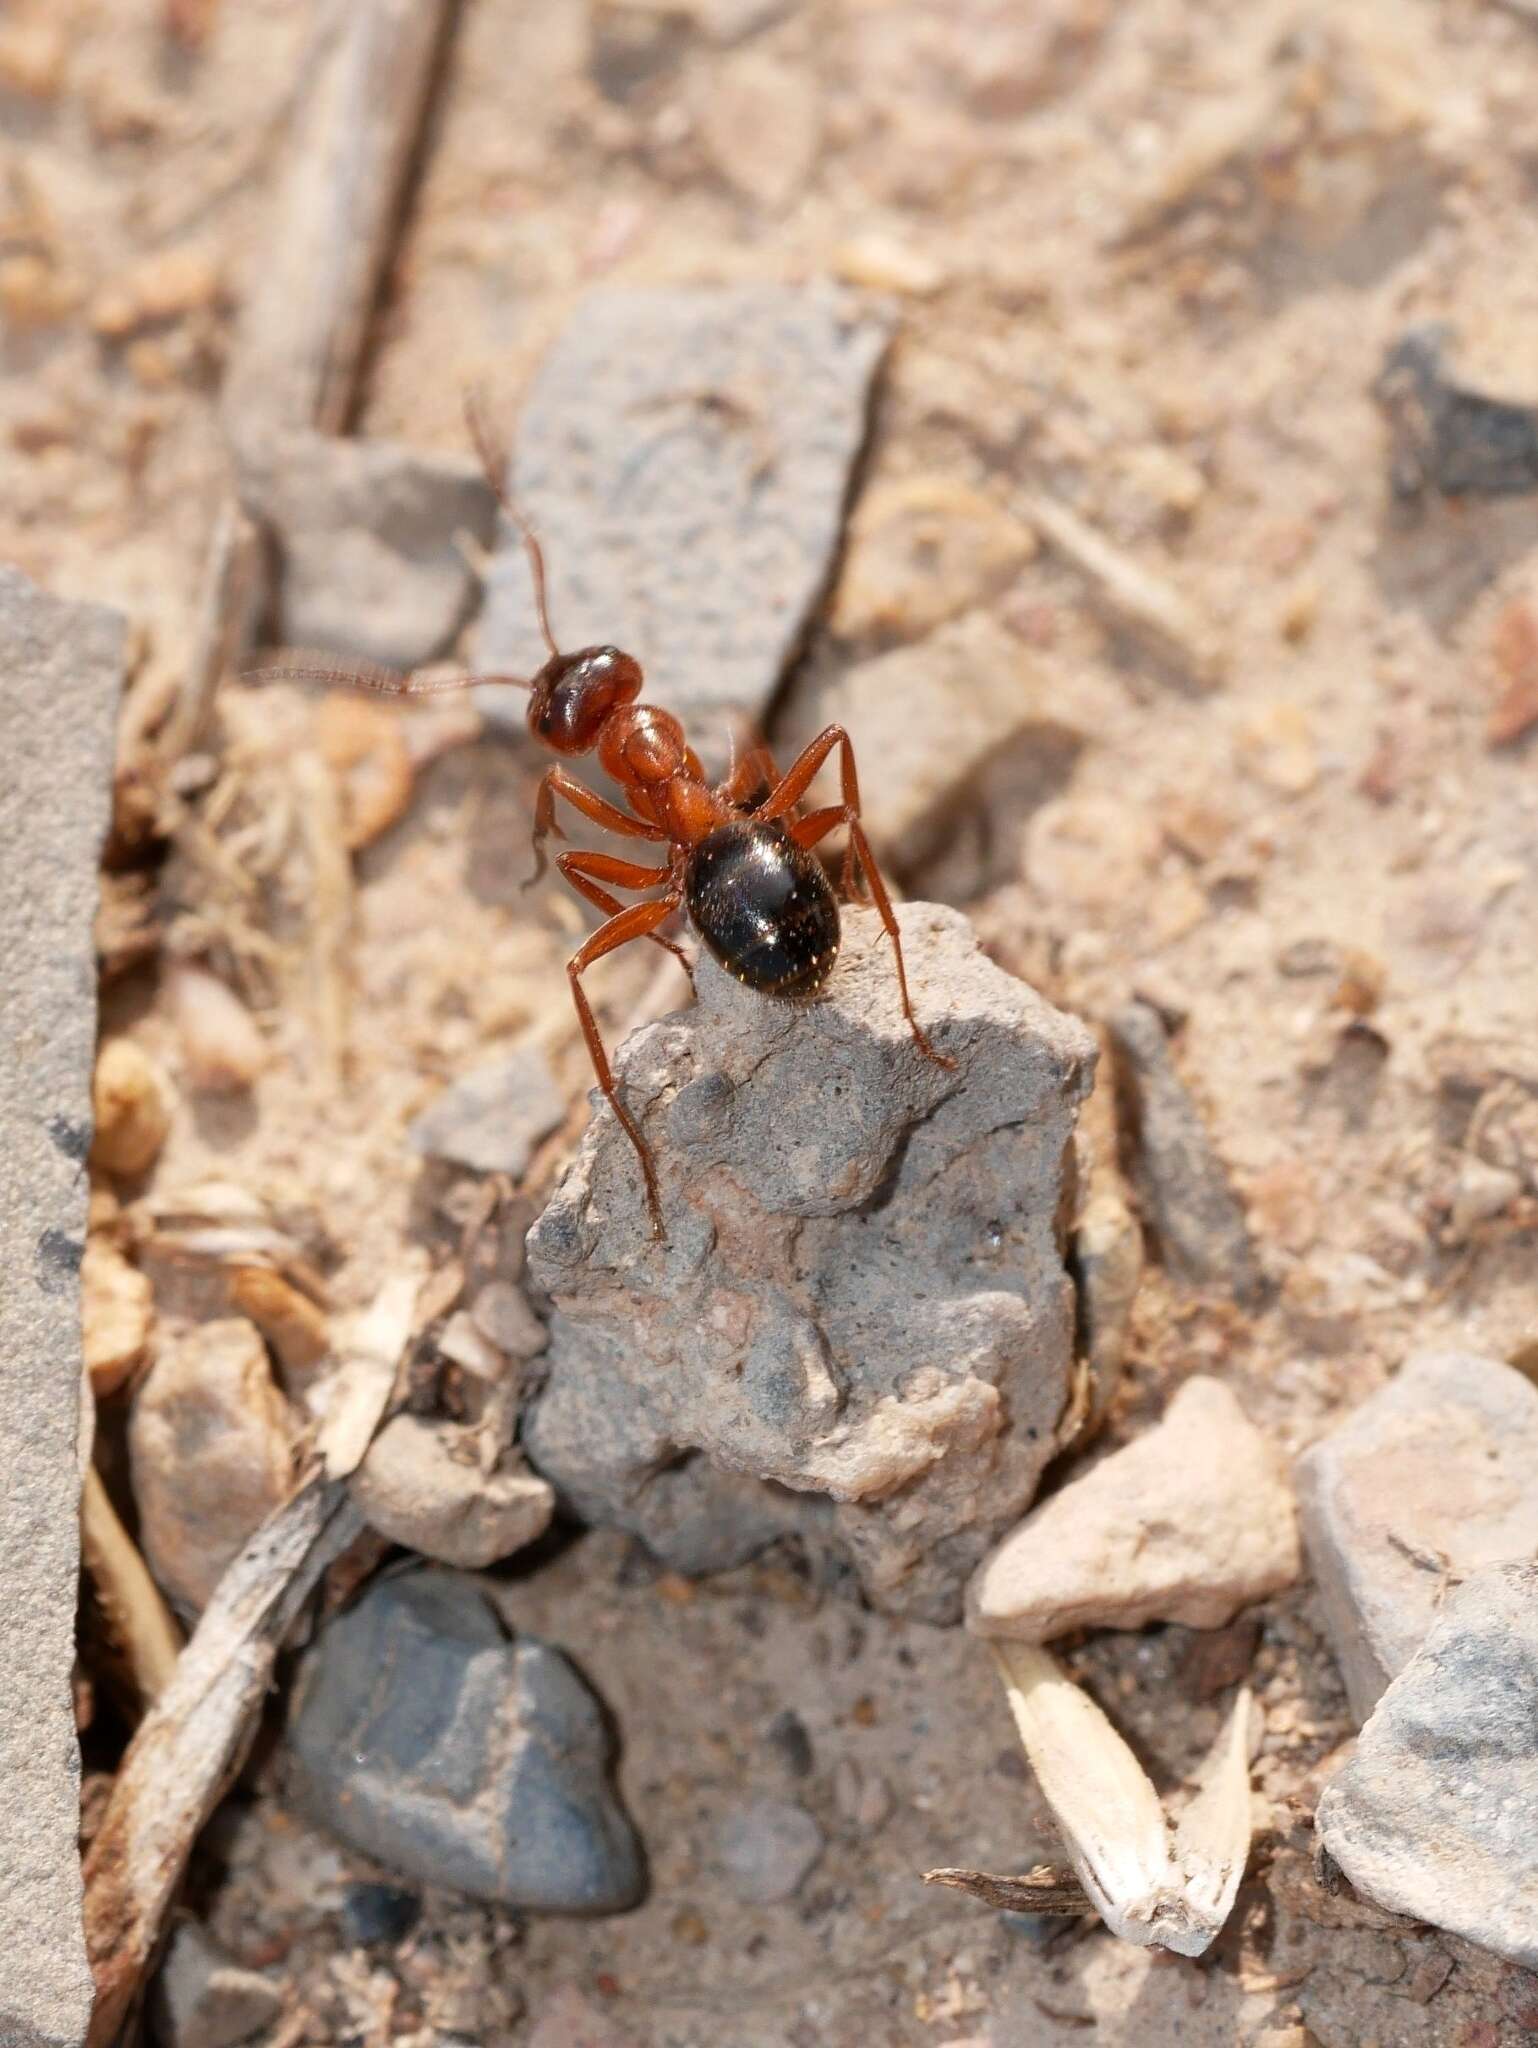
<point x="378" y="1914"/>
<point x="787" y="1736"/>
<point x="222" y="1048"/>
<point x="862" y="1798"/>
<point x="116" y="1311"/>
<point x="131" y="1099"/>
<point x="767" y="1849"/>
<point x="203" y="1999"/>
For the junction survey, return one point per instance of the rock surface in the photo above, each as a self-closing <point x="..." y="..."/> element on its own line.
<point x="1433" y="1477"/>
<point x="370" y="539"/>
<point x="491" y="1118"/>
<point x="62" y="666"/>
<point x="862" y="1317"/>
<point x="767" y="1849"/>
<point x="930" y="719"/>
<point x="203" y="1999"/>
<point x="420" y="1485"/>
<point x="211" y="1453"/>
<point x="1433" y="1814"/>
<point x="1188" y="1524"/>
<point x="685" y="454"/>
<point x="427" y="1739"/>
<point x="1197" y="1219"/>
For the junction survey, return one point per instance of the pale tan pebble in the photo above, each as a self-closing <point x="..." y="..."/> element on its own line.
<point x="132" y="1098"/>
<point x="33" y="58"/>
<point x="1277" y="747"/>
<point x="165" y="286"/>
<point x="34" y="293"/>
<point x="222" y="1048"/>
<point x="365" y="747"/>
<point x="116" y="1314"/>
<point x="210" y="1446"/>
<point x="421" y="1485"/>
<point x="922" y="549"/>
<point x="297" y="1329"/>
<point x="881" y="262"/>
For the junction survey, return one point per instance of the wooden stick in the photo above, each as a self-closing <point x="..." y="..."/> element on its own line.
<point x="306" y="317"/>
<point x="191" y="1742"/>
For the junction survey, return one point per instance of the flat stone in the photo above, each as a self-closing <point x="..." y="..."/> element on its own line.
<point x="63" y="670"/>
<point x="1188" y="1523"/>
<point x="428" y="1740"/>
<point x="684" y="454"/>
<point x="1433" y="1477"/>
<point x="928" y="720"/>
<point x="861" y="1321"/>
<point x="371" y="542"/>
<point x="1432" y="1815"/>
<point x="421" y="1485"/>
<point x="202" y="1998"/>
<point x="1198" y="1221"/>
<point x="767" y="1848"/>
<point x="491" y="1118"/>
<point x="211" y="1447"/>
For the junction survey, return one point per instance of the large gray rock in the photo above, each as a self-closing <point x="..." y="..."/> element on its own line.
<point x="861" y="1318"/>
<point x="61" y="669"/>
<point x="1433" y="1815"/>
<point x="427" y="1739"/>
<point x="685" y="454"/>
<point x="1433" y="1477"/>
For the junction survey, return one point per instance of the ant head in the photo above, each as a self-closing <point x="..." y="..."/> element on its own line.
<point x="573" y="694"/>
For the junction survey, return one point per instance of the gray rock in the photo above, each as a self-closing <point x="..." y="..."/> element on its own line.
<point x="427" y="1739"/>
<point x="767" y="1849"/>
<point x="1433" y="1477"/>
<point x="685" y="454"/>
<point x="1198" y="1221"/>
<point x="863" y="1307"/>
<point x="203" y="1999"/>
<point x="370" y="542"/>
<point x="971" y="681"/>
<point x="1187" y="1523"/>
<point x="1433" y="1813"/>
<point x="492" y="1118"/>
<point x="62" y="666"/>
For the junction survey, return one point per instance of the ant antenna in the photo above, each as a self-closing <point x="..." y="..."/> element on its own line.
<point x="383" y="682"/>
<point x="493" y="459"/>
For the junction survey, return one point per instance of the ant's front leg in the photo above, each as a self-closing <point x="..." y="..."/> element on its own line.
<point x="559" y="781"/>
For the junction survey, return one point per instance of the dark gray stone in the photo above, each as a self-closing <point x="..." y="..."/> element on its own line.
<point x="491" y="1118"/>
<point x="370" y="542"/>
<point x="685" y="454"/>
<point x="861" y="1320"/>
<point x="1433" y="1477"/>
<point x="1198" y="1221"/>
<point x="430" y="1741"/>
<point x="1433" y="1815"/>
<point x="62" y="667"/>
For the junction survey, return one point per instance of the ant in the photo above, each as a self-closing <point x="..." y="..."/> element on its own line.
<point x="735" y="854"/>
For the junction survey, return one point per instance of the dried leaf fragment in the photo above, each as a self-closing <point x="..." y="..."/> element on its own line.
<point x="1145" y="1888"/>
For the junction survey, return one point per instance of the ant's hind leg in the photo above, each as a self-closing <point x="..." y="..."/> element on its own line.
<point x="638" y="922"/>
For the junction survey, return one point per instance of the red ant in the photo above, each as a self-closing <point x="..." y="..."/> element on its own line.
<point x="736" y="856"/>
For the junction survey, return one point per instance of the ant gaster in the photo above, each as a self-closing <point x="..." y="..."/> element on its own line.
<point x="735" y="854"/>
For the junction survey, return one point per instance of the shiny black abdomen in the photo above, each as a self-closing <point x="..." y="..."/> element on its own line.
<point x="764" y="907"/>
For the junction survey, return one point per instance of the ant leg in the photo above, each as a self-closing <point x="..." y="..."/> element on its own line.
<point x="637" y="922"/>
<point x="806" y="832"/>
<point x="584" y="871"/>
<point x="559" y="782"/>
<point x="794" y="784"/>
<point x="750" y="778"/>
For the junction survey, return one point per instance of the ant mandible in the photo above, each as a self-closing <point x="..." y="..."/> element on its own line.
<point x="737" y="857"/>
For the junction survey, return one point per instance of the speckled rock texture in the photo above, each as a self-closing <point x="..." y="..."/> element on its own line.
<point x="685" y="454"/>
<point x="860" y="1327"/>
<point x="61" y="668"/>
<point x="1433" y="1477"/>
<point x="1433" y="1814"/>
